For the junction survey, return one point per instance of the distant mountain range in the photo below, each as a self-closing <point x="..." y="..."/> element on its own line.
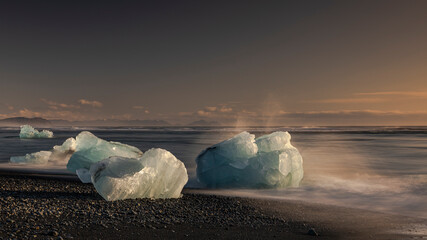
<point x="18" y="121"/>
<point x="204" y="123"/>
<point x="111" y="122"/>
<point x="41" y="122"/>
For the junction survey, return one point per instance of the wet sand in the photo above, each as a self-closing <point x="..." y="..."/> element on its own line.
<point x="48" y="207"/>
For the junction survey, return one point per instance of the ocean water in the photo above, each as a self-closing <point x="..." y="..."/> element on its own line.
<point x="376" y="168"/>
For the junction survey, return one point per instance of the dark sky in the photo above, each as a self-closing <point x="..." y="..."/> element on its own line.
<point x="223" y="60"/>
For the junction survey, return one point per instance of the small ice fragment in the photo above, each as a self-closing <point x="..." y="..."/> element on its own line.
<point x="270" y="161"/>
<point x="91" y="149"/>
<point x="58" y="155"/>
<point x="157" y="174"/>
<point x="41" y="157"/>
<point x="29" y="132"/>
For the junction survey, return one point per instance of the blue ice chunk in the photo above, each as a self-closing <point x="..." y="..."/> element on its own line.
<point x="29" y="132"/>
<point x="269" y="161"/>
<point x="157" y="174"/>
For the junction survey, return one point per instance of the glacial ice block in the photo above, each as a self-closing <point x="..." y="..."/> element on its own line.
<point x="91" y="149"/>
<point x="29" y="132"/>
<point x="157" y="174"/>
<point x="270" y="161"/>
<point x="59" y="155"/>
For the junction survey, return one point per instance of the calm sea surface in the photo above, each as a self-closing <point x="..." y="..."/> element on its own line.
<point x="377" y="168"/>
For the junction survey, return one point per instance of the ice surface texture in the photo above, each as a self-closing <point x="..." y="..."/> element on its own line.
<point x="59" y="155"/>
<point x="157" y="174"/>
<point x="84" y="175"/>
<point x="91" y="149"/>
<point x="29" y="132"/>
<point x="269" y="161"/>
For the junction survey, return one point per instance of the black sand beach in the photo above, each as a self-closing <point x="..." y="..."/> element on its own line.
<point x="40" y="207"/>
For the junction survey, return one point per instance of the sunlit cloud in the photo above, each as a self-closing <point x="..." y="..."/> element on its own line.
<point x="394" y="93"/>
<point x="248" y="113"/>
<point x="374" y="97"/>
<point x="184" y="114"/>
<point x="250" y="117"/>
<point x="48" y="114"/>
<point x="28" y="113"/>
<point x="126" y="116"/>
<point x="91" y="103"/>
<point x="55" y="106"/>
<point x="236" y="115"/>
<point x="211" y="109"/>
<point x="224" y="109"/>
<point x="351" y="100"/>
<point x="352" y="117"/>
<point x="138" y="107"/>
<point x="203" y="113"/>
<point x="353" y="112"/>
<point x="141" y="108"/>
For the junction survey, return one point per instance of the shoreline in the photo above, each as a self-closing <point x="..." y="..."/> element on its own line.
<point x="44" y="207"/>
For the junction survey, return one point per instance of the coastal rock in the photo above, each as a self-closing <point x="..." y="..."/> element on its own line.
<point x="29" y="132"/>
<point x="157" y="174"/>
<point x="91" y="149"/>
<point x="269" y="161"/>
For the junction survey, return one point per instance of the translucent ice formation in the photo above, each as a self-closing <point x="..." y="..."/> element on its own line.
<point x="157" y="174"/>
<point x="59" y="155"/>
<point x="91" y="149"/>
<point x="269" y="161"/>
<point x="41" y="157"/>
<point x="84" y="175"/>
<point x="273" y="142"/>
<point x="29" y="132"/>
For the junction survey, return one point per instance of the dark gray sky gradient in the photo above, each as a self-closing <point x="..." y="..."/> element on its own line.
<point x="172" y="59"/>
